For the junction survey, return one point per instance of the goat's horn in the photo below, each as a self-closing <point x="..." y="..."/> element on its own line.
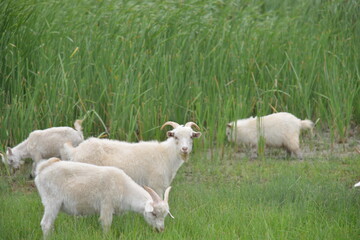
<point x="192" y="124"/>
<point x="171" y="215"/>
<point x="153" y="194"/>
<point x="173" y="124"/>
<point x="166" y="195"/>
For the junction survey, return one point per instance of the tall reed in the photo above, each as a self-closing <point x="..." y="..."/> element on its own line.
<point x="137" y="64"/>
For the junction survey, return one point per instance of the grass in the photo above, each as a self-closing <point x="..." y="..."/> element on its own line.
<point x="228" y="199"/>
<point x="129" y="66"/>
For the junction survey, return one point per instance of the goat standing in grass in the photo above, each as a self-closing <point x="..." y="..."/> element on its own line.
<point x="277" y="129"/>
<point x="149" y="163"/>
<point x="44" y="144"/>
<point x="85" y="189"/>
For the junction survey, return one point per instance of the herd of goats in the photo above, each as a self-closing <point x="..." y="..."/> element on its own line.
<point x="107" y="177"/>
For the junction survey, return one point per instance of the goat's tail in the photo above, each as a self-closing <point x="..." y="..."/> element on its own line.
<point x="306" y="124"/>
<point x="45" y="164"/>
<point x="68" y="150"/>
<point x="77" y="125"/>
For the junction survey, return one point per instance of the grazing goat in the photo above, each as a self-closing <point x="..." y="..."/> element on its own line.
<point x="277" y="129"/>
<point x="85" y="189"/>
<point x="150" y="163"/>
<point x="43" y="144"/>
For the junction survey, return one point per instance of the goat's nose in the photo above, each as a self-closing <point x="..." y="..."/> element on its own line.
<point x="160" y="229"/>
<point x="184" y="149"/>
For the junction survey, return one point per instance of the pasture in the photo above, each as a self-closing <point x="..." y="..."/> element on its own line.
<point x="129" y="66"/>
<point x="219" y="198"/>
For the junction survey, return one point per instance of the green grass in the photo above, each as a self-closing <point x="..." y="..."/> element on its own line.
<point x="228" y="199"/>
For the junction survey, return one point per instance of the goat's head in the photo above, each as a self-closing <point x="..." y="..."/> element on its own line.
<point x="183" y="136"/>
<point x="157" y="209"/>
<point x="230" y="131"/>
<point x="238" y="128"/>
<point x="12" y="158"/>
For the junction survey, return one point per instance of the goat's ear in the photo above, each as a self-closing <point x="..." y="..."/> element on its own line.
<point x="196" y="134"/>
<point x="149" y="207"/>
<point x="229" y="125"/>
<point x="170" y="134"/>
<point x="9" y="151"/>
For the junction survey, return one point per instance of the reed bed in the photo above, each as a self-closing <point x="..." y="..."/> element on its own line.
<point x="137" y="64"/>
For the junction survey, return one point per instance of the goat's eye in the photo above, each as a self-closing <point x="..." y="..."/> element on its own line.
<point x="176" y="138"/>
<point x="154" y="214"/>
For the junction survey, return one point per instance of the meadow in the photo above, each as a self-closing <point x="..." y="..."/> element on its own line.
<point x="129" y="66"/>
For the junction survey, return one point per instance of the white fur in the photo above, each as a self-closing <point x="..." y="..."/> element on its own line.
<point x="150" y="163"/>
<point x="85" y="189"/>
<point x="43" y="144"/>
<point x="278" y="130"/>
<point x="357" y="184"/>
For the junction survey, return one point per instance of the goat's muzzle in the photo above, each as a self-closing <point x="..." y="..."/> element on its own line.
<point x="159" y="230"/>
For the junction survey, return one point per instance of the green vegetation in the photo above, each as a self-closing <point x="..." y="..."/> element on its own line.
<point x="140" y="63"/>
<point x="231" y="199"/>
<point x="129" y="66"/>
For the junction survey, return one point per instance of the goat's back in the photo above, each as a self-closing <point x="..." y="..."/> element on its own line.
<point x="49" y="142"/>
<point x="82" y="187"/>
<point x="147" y="163"/>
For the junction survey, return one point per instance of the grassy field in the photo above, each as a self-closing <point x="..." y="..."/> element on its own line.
<point x="129" y="66"/>
<point x="227" y="198"/>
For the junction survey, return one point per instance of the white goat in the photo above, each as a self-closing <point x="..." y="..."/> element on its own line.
<point x="151" y="163"/>
<point x="85" y="189"/>
<point x="277" y="129"/>
<point x="43" y="144"/>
